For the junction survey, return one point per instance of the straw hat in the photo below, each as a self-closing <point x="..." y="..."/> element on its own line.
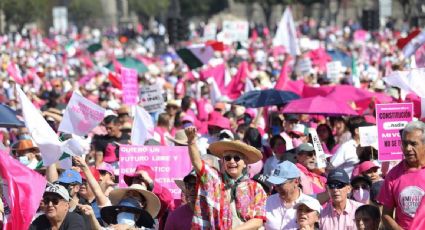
<point x="53" y="113"/>
<point x="180" y="138"/>
<point x="152" y="201"/>
<point x="250" y="153"/>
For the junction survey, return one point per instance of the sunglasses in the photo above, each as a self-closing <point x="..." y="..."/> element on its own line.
<point x="336" y="185"/>
<point x="235" y="158"/>
<point x="54" y="200"/>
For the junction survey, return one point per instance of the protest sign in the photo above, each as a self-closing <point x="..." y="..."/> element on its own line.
<point x="168" y="163"/>
<point x="235" y="31"/>
<point x="390" y="119"/>
<point x="304" y="66"/>
<point x="210" y="31"/>
<point x="368" y="136"/>
<point x="320" y="153"/>
<point x="151" y="98"/>
<point x="333" y="70"/>
<point x="81" y="116"/>
<point x="129" y="86"/>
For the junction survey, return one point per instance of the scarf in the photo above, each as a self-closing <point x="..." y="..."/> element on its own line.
<point x="233" y="184"/>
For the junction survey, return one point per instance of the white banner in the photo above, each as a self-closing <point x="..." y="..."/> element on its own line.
<point x="81" y="116"/>
<point x="235" y="31"/>
<point x="368" y="136"/>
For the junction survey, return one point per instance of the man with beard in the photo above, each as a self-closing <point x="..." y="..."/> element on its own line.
<point x="312" y="183"/>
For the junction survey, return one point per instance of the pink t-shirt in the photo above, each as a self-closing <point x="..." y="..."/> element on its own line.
<point x="403" y="190"/>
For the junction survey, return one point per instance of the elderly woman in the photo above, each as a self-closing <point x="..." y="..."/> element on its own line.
<point x="227" y="200"/>
<point x="308" y="211"/>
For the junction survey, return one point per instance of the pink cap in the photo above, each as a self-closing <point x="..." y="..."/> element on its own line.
<point x="187" y="118"/>
<point x="128" y="178"/>
<point x="220" y="121"/>
<point x="366" y="165"/>
<point x="106" y="167"/>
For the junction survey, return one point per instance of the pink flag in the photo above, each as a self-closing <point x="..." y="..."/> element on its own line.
<point x="216" y="72"/>
<point x="23" y="189"/>
<point x="237" y="84"/>
<point x="14" y="72"/>
<point x="283" y="77"/>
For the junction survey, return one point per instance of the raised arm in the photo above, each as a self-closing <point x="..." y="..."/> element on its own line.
<point x="194" y="153"/>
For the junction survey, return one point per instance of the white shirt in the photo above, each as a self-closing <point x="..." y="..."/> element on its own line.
<point x="346" y="157"/>
<point x="280" y="217"/>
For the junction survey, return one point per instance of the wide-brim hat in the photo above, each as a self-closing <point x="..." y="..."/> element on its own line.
<point x="53" y="113"/>
<point x="25" y="144"/>
<point x="251" y="154"/>
<point x="109" y="214"/>
<point x="180" y="138"/>
<point x="152" y="201"/>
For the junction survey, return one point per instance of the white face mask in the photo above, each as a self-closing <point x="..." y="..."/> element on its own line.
<point x="361" y="195"/>
<point x="126" y="218"/>
<point x="24" y="160"/>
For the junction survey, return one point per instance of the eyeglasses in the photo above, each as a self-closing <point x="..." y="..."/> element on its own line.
<point x="235" y="158"/>
<point x="54" y="200"/>
<point x="338" y="185"/>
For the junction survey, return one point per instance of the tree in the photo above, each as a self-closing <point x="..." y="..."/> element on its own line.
<point x="85" y="12"/>
<point x="205" y="8"/>
<point x="267" y="6"/>
<point x="20" y="12"/>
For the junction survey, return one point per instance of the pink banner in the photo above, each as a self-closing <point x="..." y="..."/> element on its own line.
<point x="168" y="163"/>
<point x="390" y="119"/>
<point x="129" y="86"/>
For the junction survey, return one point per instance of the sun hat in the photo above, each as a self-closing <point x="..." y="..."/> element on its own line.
<point x="283" y="172"/>
<point x="180" y="138"/>
<point x="106" y="167"/>
<point x="219" y="121"/>
<point x="128" y="178"/>
<point x="251" y="154"/>
<point x="109" y="214"/>
<point x="310" y="202"/>
<point x="152" y="201"/>
<point x="70" y="176"/>
<point x="53" y="113"/>
<point x="25" y="144"/>
<point x="59" y="190"/>
<point x="123" y="110"/>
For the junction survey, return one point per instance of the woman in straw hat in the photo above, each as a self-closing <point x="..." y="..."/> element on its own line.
<point x="227" y="200"/>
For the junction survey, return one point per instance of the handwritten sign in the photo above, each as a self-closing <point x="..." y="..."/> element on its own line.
<point x="235" y="31"/>
<point x="129" y="86"/>
<point x="151" y="98"/>
<point x="320" y="153"/>
<point x="390" y="119"/>
<point x="333" y="70"/>
<point x="368" y="136"/>
<point x="168" y="163"/>
<point x="81" y="116"/>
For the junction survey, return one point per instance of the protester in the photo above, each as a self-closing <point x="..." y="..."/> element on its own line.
<point x="401" y="193"/>
<point x="55" y="205"/>
<point x="369" y="169"/>
<point x="280" y="207"/>
<point x="278" y="145"/>
<point x="326" y="138"/>
<point x="339" y="212"/>
<point x="308" y="212"/>
<point x="312" y="183"/>
<point x="107" y="177"/>
<point x="241" y="205"/>
<point x="361" y="187"/>
<point x="26" y="153"/>
<point x="368" y="217"/>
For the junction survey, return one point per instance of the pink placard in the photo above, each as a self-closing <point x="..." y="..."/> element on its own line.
<point x="168" y="162"/>
<point x="129" y="86"/>
<point x="390" y="119"/>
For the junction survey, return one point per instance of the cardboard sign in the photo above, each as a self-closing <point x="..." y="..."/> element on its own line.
<point x="390" y="119"/>
<point x="168" y="163"/>
<point x="81" y="116"/>
<point x="210" y="31"/>
<point x="320" y="153"/>
<point x="151" y="98"/>
<point x="235" y="31"/>
<point x="304" y="66"/>
<point x="130" y="86"/>
<point x="368" y="136"/>
<point x="333" y="70"/>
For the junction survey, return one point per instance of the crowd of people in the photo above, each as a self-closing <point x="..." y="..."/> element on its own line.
<point x="253" y="168"/>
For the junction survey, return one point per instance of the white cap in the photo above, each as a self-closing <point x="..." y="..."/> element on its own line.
<point x="311" y="203"/>
<point x="58" y="189"/>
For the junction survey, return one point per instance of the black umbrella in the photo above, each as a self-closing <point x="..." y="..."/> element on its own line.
<point x="267" y="97"/>
<point x="8" y="117"/>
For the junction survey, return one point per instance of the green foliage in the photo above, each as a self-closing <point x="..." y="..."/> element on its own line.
<point x="84" y="12"/>
<point x="20" y="12"/>
<point x="202" y="8"/>
<point x="148" y="7"/>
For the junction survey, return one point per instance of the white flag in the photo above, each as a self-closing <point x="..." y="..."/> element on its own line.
<point x="286" y="35"/>
<point x="42" y="134"/>
<point x="142" y="127"/>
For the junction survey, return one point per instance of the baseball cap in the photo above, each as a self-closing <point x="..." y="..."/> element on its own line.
<point x="338" y="175"/>
<point x="283" y="172"/>
<point x="310" y="202"/>
<point x="106" y="167"/>
<point x="70" y="176"/>
<point x="59" y="190"/>
<point x="305" y="147"/>
<point x="300" y="130"/>
<point x="366" y="165"/>
<point x="93" y="171"/>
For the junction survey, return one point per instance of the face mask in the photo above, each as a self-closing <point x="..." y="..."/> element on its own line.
<point x="126" y="218"/>
<point x="361" y="195"/>
<point x="24" y="160"/>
